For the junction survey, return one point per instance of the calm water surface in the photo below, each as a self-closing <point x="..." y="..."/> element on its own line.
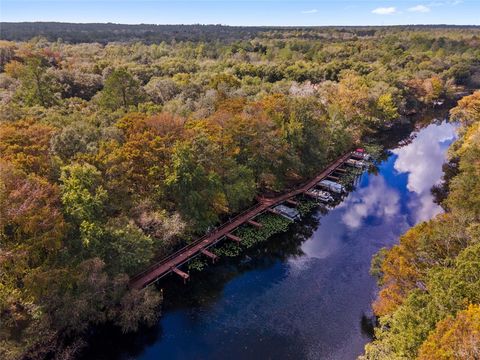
<point x="305" y="294"/>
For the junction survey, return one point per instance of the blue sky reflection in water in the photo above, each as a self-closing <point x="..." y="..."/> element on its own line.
<point x="311" y="306"/>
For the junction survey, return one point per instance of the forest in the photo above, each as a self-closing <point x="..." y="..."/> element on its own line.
<point x="113" y="154"/>
<point x="149" y="33"/>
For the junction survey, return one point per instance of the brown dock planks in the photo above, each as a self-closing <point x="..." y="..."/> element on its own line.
<point x="209" y="254"/>
<point x="291" y="202"/>
<point x="233" y="237"/>
<point x="180" y="273"/>
<point x="170" y="263"/>
<point x="254" y="223"/>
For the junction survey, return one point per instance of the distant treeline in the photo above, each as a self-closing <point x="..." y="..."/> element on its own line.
<point x="150" y="33"/>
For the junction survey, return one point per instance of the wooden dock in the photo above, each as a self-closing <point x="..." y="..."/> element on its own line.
<point x="209" y="254"/>
<point x="233" y="237"/>
<point x="254" y="223"/>
<point x="172" y="262"/>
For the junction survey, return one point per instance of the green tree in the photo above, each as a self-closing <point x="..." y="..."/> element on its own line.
<point x="195" y="188"/>
<point x="121" y="90"/>
<point x="387" y="108"/>
<point x="83" y="196"/>
<point x="125" y="248"/>
<point x="37" y="85"/>
<point x="84" y="199"/>
<point x="76" y="138"/>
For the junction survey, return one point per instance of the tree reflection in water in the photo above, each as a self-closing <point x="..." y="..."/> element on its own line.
<point x="306" y="292"/>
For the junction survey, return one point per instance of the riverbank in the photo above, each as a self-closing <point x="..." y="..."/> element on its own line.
<point x="303" y="280"/>
<point x="226" y="230"/>
<point x="195" y="248"/>
<point x="429" y="307"/>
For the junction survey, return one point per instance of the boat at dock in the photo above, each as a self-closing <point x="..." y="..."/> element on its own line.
<point x="356" y="163"/>
<point x="332" y="186"/>
<point x="287" y="212"/>
<point x="321" y="195"/>
<point x="361" y="154"/>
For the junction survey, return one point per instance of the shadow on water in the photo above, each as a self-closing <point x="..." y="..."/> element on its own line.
<point x="367" y="324"/>
<point x="210" y="282"/>
<point x="108" y="342"/>
<point x="302" y="294"/>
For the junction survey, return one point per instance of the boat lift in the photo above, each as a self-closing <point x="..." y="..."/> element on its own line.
<point x="287" y="212"/>
<point x="361" y="154"/>
<point x="356" y="163"/>
<point x="321" y="195"/>
<point x="332" y="186"/>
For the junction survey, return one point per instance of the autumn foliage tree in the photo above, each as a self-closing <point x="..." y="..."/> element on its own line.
<point x="26" y="144"/>
<point x="454" y="337"/>
<point x="113" y="154"/>
<point x="430" y="281"/>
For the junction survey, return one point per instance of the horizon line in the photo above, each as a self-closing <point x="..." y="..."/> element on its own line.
<point x="228" y="25"/>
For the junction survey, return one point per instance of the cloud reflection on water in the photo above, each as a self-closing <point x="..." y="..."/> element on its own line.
<point x="377" y="202"/>
<point x="311" y="307"/>
<point x="422" y="160"/>
<point x="312" y="302"/>
<point x="378" y="199"/>
<point x="382" y="203"/>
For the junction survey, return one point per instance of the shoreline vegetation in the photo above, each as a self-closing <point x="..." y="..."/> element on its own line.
<point x="429" y="299"/>
<point x="272" y="224"/>
<point x="115" y="153"/>
<point x="252" y="236"/>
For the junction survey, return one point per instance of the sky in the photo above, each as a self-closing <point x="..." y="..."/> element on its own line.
<point x="246" y="12"/>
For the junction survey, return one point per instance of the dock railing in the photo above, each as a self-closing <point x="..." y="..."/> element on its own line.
<point x="192" y="244"/>
<point x="267" y="203"/>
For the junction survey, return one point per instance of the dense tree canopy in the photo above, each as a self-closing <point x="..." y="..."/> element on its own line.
<point x="114" y="153"/>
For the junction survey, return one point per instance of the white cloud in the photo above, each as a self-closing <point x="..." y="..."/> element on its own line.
<point x="375" y="200"/>
<point x="422" y="160"/>
<point x="446" y="3"/>
<point x="419" y="9"/>
<point x="385" y="10"/>
<point x="312" y="11"/>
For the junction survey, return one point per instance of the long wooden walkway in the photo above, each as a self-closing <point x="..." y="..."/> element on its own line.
<point x="171" y="262"/>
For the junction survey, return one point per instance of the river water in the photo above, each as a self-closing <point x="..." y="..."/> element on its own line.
<point x="307" y="293"/>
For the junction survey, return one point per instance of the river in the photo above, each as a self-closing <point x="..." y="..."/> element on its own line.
<point x="304" y="294"/>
